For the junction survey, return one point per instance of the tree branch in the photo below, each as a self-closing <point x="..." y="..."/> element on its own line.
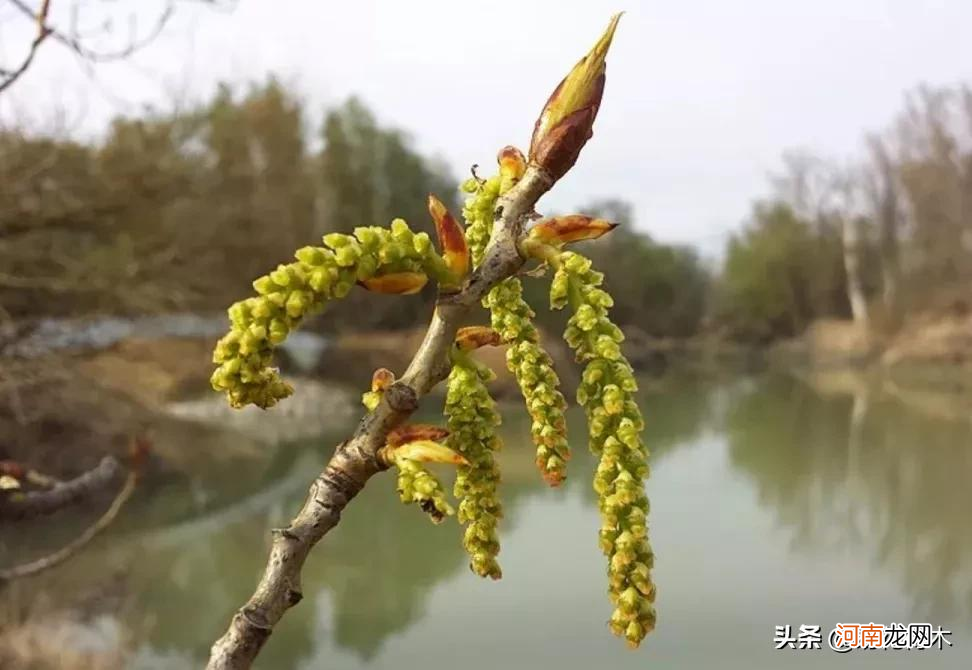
<point x="42" y="33"/>
<point x="68" y="550"/>
<point x="61" y="495"/>
<point x="73" y="40"/>
<point x="355" y="461"/>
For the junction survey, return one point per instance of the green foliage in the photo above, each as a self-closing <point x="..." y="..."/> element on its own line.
<point x="779" y="275"/>
<point x="180" y="210"/>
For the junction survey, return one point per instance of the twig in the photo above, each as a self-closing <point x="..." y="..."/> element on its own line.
<point x="73" y="41"/>
<point x="355" y="461"/>
<point x="61" y="495"/>
<point x="65" y="552"/>
<point x="42" y="34"/>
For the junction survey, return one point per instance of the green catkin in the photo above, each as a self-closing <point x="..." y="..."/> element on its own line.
<point x="512" y="318"/>
<point x="418" y="485"/>
<point x="615" y="424"/>
<point x="296" y="290"/>
<point x="472" y="421"/>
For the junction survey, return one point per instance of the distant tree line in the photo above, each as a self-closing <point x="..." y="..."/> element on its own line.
<point x="180" y="210"/>
<point x="872" y="241"/>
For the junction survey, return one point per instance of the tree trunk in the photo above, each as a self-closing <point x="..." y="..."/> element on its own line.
<point x="887" y="208"/>
<point x="850" y="236"/>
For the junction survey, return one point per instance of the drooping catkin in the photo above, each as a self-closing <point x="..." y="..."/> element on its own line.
<point x="472" y="421"/>
<point x="417" y="485"/>
<point x="391" y="259"/>
<point x="512" y="317"/>
<point x="615" y="424"/>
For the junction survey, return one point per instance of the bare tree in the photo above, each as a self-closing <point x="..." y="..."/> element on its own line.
<point x="932" y="150"/>
<point x="885" y="200"/>
<point x="82" y="41"/>
<point x="846" y="211"/>
<point x="827" y="196"/>
<point x="9" y="76"/>
<point x="50" y="496"/>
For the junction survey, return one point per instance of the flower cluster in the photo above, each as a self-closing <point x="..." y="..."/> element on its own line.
<point x="417" y="485"/>
<point x="391" y="260"/>
<point x="614" y="421"/>
<point x="478" y="213"/>
<point x="512" y="318"/>
<point x="472" y="425"/>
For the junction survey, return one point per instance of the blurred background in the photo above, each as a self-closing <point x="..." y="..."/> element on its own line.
<point x="793" y="273"/>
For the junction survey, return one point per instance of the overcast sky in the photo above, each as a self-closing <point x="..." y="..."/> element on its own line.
<point x="702" y="95"/>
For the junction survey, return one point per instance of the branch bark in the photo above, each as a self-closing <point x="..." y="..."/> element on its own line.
<point x="68" y="550"/>
<point x="355" y="461"/>
<point x="61" y="495"/>
<point x="43" y="31"/>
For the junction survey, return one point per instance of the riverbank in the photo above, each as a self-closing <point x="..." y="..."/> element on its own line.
<point x="61" y="413"/>
<point x="74" y="393"/>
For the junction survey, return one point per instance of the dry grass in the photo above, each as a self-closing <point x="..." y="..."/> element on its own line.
<point x="36" y="636"/>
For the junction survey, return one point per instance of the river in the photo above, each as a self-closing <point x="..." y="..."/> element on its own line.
<point x="773" y="502"/>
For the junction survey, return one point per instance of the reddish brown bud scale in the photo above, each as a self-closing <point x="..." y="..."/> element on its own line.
<point x="567" y="120"/>
<point x="474" y="337"/>
<point x="382" y="379"/>
<point x="420" y="451"/>
<point x="138" y="453"/>
<point x="415" y="432"/>
<point x="12" y="469"/>
<point x="558" y="149"/>
<point x="396" y="283"/>
<point x="452" y="240"/>
<point x="512" y="165"/>
<point x="571" y="228"/>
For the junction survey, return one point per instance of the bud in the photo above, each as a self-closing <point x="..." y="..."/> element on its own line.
<point x="382" y="379"/>
<point x="138" y="453"/>
<point x="567" y="120"/>
<point x="396" y="283"/>
<point x="452" y="241"/>
<point x="571" y="228"/>
<point x="420" y="451"/>
<point x="512" y="165"/>
<point x="12" y="469"/>
<point x="415" y="431"/>
<point x="474" y="337"/>
<point x="8" y="483"/>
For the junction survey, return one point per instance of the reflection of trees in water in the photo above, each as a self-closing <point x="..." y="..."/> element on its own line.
<point x="864" y="472"/>
<point x="378" y="568"/>
<point x="191" y="550"/>
<point x="678" y="411"/>
<point x="405" y="556"/>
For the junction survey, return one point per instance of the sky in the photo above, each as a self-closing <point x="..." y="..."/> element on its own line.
<point x="702" y="97"/>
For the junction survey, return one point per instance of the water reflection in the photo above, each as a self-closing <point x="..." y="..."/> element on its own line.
<point x="752" y="481"/>
<point x="846" y="471"/>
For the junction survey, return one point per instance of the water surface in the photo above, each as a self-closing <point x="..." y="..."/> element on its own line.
<point x="772" y="504"/>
